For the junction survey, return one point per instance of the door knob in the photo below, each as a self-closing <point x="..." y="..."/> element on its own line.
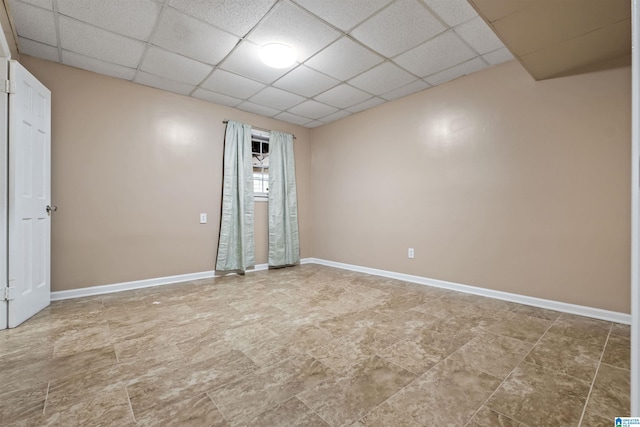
<point x="51" y="209"/>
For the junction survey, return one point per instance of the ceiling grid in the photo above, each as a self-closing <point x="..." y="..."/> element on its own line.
<point x="352" y="54"/>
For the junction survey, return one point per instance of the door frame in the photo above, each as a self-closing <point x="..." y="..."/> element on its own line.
<point x="5" y="56"/>
<point x="635" y="208"/>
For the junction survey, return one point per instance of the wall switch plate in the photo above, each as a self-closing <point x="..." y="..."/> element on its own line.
<point x="411" y="253"/>
<point x="203" y="218"/>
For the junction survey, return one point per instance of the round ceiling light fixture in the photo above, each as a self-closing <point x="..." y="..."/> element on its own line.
<point x="278" y="55"/>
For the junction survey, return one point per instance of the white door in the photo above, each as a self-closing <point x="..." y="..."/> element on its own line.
<point x="29" y="195"/>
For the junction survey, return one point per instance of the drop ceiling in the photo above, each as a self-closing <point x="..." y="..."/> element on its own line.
<point x="559" y="38"/>
<point x="352" y="54"/>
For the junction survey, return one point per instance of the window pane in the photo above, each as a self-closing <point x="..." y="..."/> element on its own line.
<point x="260" y="161"/>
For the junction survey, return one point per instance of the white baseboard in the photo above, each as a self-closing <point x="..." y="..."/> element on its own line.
<point x="597" y="313"/>
<point x="139" y="284"/>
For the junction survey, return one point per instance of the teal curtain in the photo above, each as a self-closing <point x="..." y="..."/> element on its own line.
<point x="236" y="245"/>
<point x="284" y="243"/>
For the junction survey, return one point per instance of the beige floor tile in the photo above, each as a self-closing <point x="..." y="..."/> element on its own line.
<point x="293" y="342"/>
<point x="486" y="417"/>
<point x="196" y="411"/>
<point x="581" y="327"/>
<point x="36" y="370"/>
<point x="618" y="352"/>
<point x="621" y="330"/>
<point x="495" y="355"/>
<point x="610" y="395"/>
<point x="344" y="399"/>
<point x="448" y="394"/>
<point x="387" y="415"/>
<point x="186" y="381"/>
<point x="108" y="409"/>
<point x="541" y="313"/>
<point x="150" y="346"/>
<point x="22" y="403"/>
<point x="292" y="413"/>
<point x="429" y="347"/>
<point x="238" y="350"/>
<point x="540" y="397"/>
<point x="568" y="355"/>
<point x="245" y="398"/>
<point x="522" y="327"/>
<point x="68" y="390"/>
<point x="593" y="420"/>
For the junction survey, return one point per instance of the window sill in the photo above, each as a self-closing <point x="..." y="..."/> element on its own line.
<point x="261" y="198"/>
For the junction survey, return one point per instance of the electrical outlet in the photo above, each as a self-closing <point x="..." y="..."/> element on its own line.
<point x="411" y="253"/>
<point x="203" y="218"/>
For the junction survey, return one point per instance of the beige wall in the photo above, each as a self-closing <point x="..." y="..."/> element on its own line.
<point x="497" y="181"/>
<point x="132" y="169"/>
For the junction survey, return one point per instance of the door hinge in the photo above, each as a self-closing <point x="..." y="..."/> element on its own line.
<point x="8" y="87"/>
<point x="9" y="293"/>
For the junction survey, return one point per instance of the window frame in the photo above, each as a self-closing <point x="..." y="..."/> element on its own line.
<point x="261" y="137"/>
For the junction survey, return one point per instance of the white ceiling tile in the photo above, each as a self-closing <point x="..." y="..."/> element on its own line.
<point x="436" y="55"/>
<point x="453" y="12"/>
<point x="232" y="84"/>
<point x="130" y="18"/>
<point x="343" y="96"/>
<point x="40" y="3"/>
<point x="344" y="59"/>
<point x="216" y="98"/>
<point x="383" y="78"/>
<point x="313" y="109"/>
<point x="314" y="124"/>
<point x="79" y="37"/>
<point x="97" y="66"/>
<point x="292" y="118"/>
<point x="478" y="34"/>
<point x="344" y="14"/>
<point x="258" y="109"/>
<point x="498" y="56"/>
<point x="38" y="50"/>
<point x="305" y="81"/>
<point x="414" y="87"/>
<point x="399" y="27"/>
<point x="190" y="37"/>
<point x="162" y="83"/>
<point x="370" y="103"/>
<point x="290" y="25"/>
<point x="34" y="23"/>
<point x="336" y="116"/>
<point x="276" y="98"/>
<point x="234" y="16"/>
<point x="471" y="66"/>
<point x="175" y="43"/>
<point x="175" y="67"/>
<point x="245" y="61"/>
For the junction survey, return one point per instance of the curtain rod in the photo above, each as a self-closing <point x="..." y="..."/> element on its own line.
<point x="225" y="121"/>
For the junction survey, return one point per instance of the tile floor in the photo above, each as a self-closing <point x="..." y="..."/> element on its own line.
<point x="310" y="346"/>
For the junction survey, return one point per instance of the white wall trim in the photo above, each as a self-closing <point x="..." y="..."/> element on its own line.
<point x="139" y="284"/>
<point x="596" y="313"/>
<point x="635" y="208"/>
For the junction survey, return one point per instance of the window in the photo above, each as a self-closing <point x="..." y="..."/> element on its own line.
<point x="260" y="159"/>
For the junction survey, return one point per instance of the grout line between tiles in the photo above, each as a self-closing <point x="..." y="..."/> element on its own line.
<point x="401" y="388"/>
<point x="46" y="398"/>
<point x="217" y="407"/>
<point x="130" y="405"/>
<point x="595" y="375"/>
<point x="508" y="375"/>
